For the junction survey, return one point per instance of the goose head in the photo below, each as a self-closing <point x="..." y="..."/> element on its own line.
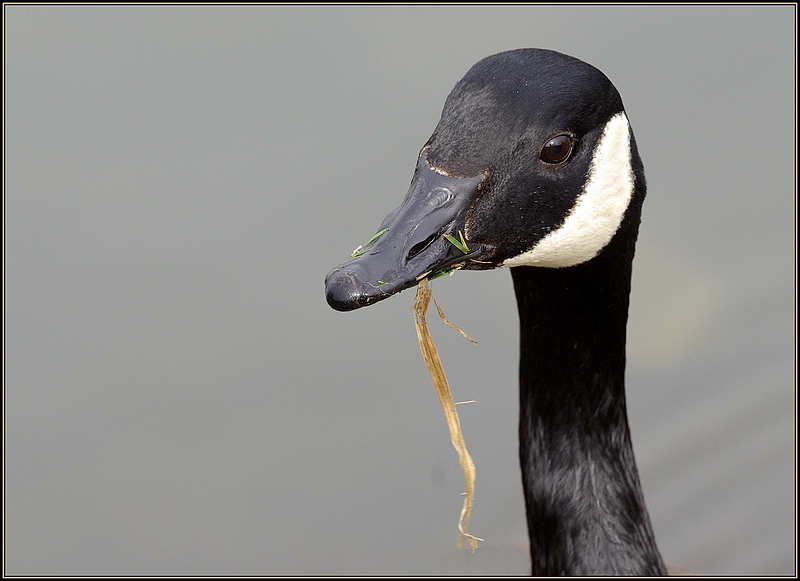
<point x="533" y="163"/>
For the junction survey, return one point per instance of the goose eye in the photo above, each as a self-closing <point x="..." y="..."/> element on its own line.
<point x="557" y="150"/>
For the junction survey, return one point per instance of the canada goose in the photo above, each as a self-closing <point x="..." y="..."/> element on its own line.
<point x="533" y="166"/>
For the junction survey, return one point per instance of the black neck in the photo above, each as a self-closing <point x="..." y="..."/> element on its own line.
<point x="585" y="509"/>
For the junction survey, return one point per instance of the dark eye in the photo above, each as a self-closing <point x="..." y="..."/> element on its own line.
<point x="557" y="150"/>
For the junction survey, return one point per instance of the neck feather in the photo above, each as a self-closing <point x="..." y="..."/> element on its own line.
<point x="585" y="509"/>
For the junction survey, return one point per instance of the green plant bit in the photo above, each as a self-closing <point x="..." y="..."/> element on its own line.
<point x="455" y="267"/>
<point x="358" y="251"/>
<point x="377" y="235"/>
<point x="434" y="364"/>
<point x="461" y="245"/>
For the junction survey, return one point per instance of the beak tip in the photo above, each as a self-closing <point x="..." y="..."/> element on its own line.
<point x="345" y="291"/>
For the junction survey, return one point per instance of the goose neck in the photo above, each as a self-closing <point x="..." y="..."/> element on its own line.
<point x="585" y="508"/>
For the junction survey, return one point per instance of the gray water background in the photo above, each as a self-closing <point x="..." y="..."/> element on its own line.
<point x="179" y="398"/>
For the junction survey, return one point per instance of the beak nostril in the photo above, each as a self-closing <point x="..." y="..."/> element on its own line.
<point x="420" y="246"/>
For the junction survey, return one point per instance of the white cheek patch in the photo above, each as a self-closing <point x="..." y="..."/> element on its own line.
<point x="599" y="209"/>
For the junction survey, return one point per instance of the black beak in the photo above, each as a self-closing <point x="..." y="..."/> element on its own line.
<point x="423" y="238"/>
